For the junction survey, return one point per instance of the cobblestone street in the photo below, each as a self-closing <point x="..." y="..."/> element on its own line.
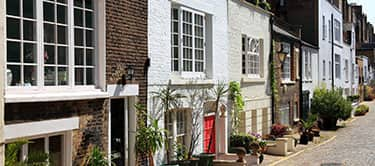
<point x="354" y="146"/>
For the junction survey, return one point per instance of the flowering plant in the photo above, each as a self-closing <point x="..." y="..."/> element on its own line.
<point x="279" y="130"/>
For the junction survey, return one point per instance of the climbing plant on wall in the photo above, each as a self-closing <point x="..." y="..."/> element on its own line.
<point x="238" y="104"/>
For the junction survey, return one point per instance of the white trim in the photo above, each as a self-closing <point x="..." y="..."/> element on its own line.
<point x="50" y="94"/>
<point x="39" y="128"/>
<point x="118" y="90"/>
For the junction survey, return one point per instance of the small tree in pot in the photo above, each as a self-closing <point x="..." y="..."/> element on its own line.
<point x="330" y="106"/>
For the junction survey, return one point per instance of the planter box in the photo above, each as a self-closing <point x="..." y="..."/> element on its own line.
<point x="291" y="143"/>
<point x="278" y="147"/>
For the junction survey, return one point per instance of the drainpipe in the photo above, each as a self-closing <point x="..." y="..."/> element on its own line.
<point x="333" y="54"/>
<point x="300" y="79"/>
<point x="271" y="61"/>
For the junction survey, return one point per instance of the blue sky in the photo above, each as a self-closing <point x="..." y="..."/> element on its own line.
<point x="368" y="6"/>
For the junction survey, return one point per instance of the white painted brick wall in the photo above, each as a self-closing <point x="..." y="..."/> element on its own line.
<point x="159" y="43"/>
<point x="248" y="20"/>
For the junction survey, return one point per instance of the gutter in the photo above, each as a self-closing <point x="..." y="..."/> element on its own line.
<point x="333" y="54"/>
<point x="271" y="62"/>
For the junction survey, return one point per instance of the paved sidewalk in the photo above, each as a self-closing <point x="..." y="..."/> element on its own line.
<point x="324" y="136"/>
<point x="353" y="146"/>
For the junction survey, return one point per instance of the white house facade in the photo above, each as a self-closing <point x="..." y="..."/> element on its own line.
<point x="249" y="50"/>
<point x="188" y="43"/>
<point x="310" y="74"/>
<point x="330" y="44"/>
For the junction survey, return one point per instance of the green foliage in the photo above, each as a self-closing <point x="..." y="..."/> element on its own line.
<point x="352" y="98"/>
<point x="361" y="110"/>
<point x="241" y="140"/>
<point x="265" y="5"/>
<point x="12" y="151"/>
<point x="97" y="158"/>
<point x="181" y="151"/>
<point x="236" y="96"/>
<point x="329" y="104"/>
<point x="169" y="98"/>
<point x="150" y="139"/>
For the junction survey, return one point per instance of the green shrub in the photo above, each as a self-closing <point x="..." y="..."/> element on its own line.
<point x="330" y="106"/>
<point x="241" y="140"/>
<point x="352" y="98"/>
<point x="361" y="110"/>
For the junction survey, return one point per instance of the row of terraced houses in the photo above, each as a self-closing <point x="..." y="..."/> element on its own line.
<point x="73" y="70"/>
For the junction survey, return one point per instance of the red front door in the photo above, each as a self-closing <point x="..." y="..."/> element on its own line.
<point x="209" y="133"/>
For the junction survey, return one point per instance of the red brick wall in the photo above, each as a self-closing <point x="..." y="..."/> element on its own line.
<point x="288" y="94"/>
<point x="127" y="41"/>
<point x="93" y="121"/>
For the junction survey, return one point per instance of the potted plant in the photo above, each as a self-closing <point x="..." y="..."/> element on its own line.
<point x="306" y="132"/>
<point x="149" y="139"/>
<point x="330" y="106"/>
<point x="278" y="130"/>
<point x="263" y="146"/>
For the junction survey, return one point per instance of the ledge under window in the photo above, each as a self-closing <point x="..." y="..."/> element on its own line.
<point x="19" y="95"/>
<point x="288" y="82"/>
<point x="253" y="80"/>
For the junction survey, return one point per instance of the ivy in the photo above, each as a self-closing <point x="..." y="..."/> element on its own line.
<point x="274" y="86"/>
<point x="238" y="104"/>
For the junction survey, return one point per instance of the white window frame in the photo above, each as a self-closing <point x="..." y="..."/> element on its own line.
<point x="193" y="73"/>
<point x="337" y="66"/>
<point x="99" y="62"/>
<point x="324" y="28"/>
<point x="346" y="69"/>
<point x="252" y="68"/>
<point x="66" y="149"/>
<point x="337" y="30"/>
<point x="329" y="70"/>
<point x="329" y="30"/>
<point x="288" y="58"/>
<point x="324" y="69"/>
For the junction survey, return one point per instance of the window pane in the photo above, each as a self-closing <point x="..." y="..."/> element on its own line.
<point x="61" y="14"/>
<point x="89" y="57"/>
<point x="36" y="146"/>
<point x="63" y="76"/>
<point x="78" y="17"/>
<point x="78" y="37"/>
<point x="29" y="75"/>
<point x="62" y="1"/>
<point x="78" y="75"/>
<point x="49" y="54"/>
<point x="61" y="34"/>
<point x="78" y="3"/>
<point x="49" y="76"/>
<point x="88" y="19"/>
<point x="89" y="76"/>
<point x="78" y="54"/>
<point x="29" y="9"/>
<point x="49" y="33"/>
<point x="62" y="55"/>
<point x="14" y="75"/>
<point x="48" y="12"/>
<point x="13" y="7"/>
<point x="13" y="28"/>
<point x="55" y="150"/>
<point x="88" y="4"/>
<point x="29" y="31"/>
<point x="89" y="38"/>
<point x="13" y="52"/>
<point x="29" y="53"/>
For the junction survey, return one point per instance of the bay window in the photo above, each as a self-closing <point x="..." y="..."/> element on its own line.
<point x="50" y="42"/>
<point x="188" y="40"/>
